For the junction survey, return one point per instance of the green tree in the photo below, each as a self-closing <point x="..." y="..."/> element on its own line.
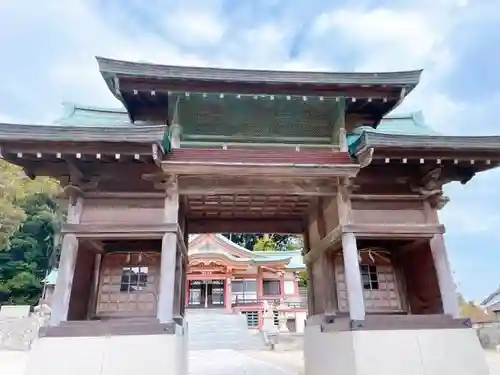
<point x="282" y="242"/>
<point x="29" y="218"/>
<point x="265" y="243"/>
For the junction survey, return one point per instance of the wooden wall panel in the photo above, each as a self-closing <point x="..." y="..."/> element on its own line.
<point x="82" y="284"/>
<point x="140" y="211"/>
<point x="330" y="213"/>
<point x="387" y="212"/>
<point x="387" y="297"/>
<point x="112" y="302"/>
<point x="424" y="296"/>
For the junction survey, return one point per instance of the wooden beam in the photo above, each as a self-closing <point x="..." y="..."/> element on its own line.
<point x="119" y="230"/>
<point x="331" y="241"/>
<point x="284" y="226"/>
<point x="189" y="185"/>
<point x="387" y="197"/>
<point x="388" y="231"/>
<point x="182" y="86"/>
<point x="259" y="169"/>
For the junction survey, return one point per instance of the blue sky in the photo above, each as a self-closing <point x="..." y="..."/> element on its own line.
<point x="48" y="50"/>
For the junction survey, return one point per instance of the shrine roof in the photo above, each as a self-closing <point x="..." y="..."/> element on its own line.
<point x="209" y="245"/>
<point x="51" y="278"/>
<point x="86" y="133"/>
<point x="83" y="115"/>
<point x="145" y="70"/>
<point x="492" y="299"/>
<point x="410" y="131"/>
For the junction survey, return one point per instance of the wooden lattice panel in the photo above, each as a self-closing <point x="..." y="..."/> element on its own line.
<point x="120" y="296"/>
<point x="247" y="206"/>
<point x="256" y="117"/>
<point x="380" y="295"/>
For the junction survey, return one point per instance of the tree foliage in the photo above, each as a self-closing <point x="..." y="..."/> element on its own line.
<point x="264" y="241"/>
<point x="29" y="218"/>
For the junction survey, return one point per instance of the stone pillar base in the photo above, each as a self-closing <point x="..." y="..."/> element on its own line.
<point x="109" y="355"/>
<point x="393" y="352"/>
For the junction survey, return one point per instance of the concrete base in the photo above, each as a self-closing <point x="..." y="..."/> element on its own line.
<point x="109" y="355"/>
<point x="393" y="352"/>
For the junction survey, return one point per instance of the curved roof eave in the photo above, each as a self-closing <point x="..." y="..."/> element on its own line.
<point x="55" y="133"/>
<point x="211" y="255"/>
<point x="112" y="67"/>
<point x="426" y="142"/>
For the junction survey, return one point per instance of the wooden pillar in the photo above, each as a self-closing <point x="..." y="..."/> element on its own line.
<point x="178" y="285"/>
<point x="67" y="263"/>
<point x="310" y="278"/>
<point x="64" y="283"/>
<point x="183" y="287"/>
<point x="91" y="310"/>
<point x="354" y="284"/>
<point x="353" y="277"/>
<point x="328" y="287"/>
<point x="169" y="254"/>
<point x="444" y="276"/>
<point x="228" y="297"/>
<point x="260" y="283"/>
<point x="165" y="312"/>
<point x="175" y="135"/>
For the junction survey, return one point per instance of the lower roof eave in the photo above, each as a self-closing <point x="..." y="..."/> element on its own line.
<point x="424" y="143"/>
<point x="260" y="169"/>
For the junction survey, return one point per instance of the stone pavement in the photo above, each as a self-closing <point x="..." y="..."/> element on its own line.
<point x="231" y="362"/>
<point x="222" y="362"/>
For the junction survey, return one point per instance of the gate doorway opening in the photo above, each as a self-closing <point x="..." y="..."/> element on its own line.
<point x="206" y="293"/>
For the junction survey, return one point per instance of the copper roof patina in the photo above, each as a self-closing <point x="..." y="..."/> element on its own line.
<point x="409" y="131"/>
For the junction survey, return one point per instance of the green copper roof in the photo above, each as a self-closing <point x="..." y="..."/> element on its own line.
<point x="402" y="124"/>
<point x="79" y="115"/>
<point x="51" y="277"/>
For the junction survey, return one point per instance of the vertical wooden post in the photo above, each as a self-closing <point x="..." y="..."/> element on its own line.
<point x="178" y="284"/>
<point x="169" y="254"/>
<point x="353" y="277"/>
<point x="175" y="135"/>
<point x="165" y="312"/>
<point x="67" y="263"/>
<point x="444" y="275"/>
<point x="310" y="277"/>
<point x="91" y="310"/>
<point x="64" y="283"/>
<point x="228" y="294"/>
<point x="354" y="285"/>
<point x="329" y="287"/>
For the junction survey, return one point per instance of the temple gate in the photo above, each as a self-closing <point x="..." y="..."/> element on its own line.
<point x="215" y="150"/>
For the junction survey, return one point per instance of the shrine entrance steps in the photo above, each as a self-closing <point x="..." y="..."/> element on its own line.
<point x="218" y="329"/>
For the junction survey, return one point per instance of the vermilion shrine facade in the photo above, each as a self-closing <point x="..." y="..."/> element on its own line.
<point x="222" y="274"/>
<point x="203" y="150"/>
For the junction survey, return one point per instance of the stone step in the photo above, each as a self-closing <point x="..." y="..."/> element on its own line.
<point x="212" y="329"/>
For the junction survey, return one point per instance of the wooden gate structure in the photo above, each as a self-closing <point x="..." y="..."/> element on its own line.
<point x="202" y="150"/>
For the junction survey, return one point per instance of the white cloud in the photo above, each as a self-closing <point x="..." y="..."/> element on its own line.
<point x="389" y="39"/>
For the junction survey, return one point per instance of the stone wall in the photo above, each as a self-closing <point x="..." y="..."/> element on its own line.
<point x="489" y="334"/>
<point x="19" y="333"/>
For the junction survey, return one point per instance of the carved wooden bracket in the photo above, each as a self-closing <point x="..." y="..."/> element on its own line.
<point x="365" y="157"/>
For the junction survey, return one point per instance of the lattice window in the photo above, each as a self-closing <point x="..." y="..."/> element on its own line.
<point x="380" y="286"/>
<point x="369" y="277"/>
<point x="128" y="285"/>
<point x="271" y="287"/>
<point x="244" y="290"/>
<point x="252" y="318"/>
<point x="134" y="279"/>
